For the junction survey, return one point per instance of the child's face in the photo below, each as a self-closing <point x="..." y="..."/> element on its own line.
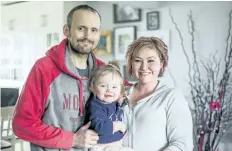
<point x="108" y="88"/>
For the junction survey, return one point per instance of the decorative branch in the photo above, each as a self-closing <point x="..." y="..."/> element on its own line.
<point x="182" y="42"/>
<point x="211" y="95"/>
<point x="229" y="36"/>
<point x="173" y="79"/>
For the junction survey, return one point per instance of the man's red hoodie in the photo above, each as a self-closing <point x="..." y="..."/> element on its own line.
<point x="50" y="108"/>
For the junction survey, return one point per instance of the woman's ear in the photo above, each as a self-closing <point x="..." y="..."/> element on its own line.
<point x="161" y="64"/>
<point x="66" y="31"/>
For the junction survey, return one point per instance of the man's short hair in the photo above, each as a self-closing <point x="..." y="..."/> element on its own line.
<point x="79" y="7"/>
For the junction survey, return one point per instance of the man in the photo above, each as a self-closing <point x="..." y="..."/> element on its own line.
<point x="50" y="109"/>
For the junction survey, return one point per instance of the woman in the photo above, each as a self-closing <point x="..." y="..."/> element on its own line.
<point x="157" y="115"/>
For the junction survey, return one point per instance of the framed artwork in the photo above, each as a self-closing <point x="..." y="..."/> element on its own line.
<point x="104" y="45"/>
<point x="153" y="20"/>
<point x="124" y="14"/>
<point x="123" y="36"/>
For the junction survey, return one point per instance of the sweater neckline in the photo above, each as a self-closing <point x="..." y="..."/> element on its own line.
<point x="145" y="98"/>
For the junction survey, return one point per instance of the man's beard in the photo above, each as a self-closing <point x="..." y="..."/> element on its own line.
<point x="80" y="49"/>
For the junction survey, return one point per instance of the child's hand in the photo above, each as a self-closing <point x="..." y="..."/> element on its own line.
<point x="119" y="126"/>
<point x="122" y="127"/>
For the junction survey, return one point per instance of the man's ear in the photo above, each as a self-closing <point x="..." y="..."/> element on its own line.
<point x="66" y="31"/>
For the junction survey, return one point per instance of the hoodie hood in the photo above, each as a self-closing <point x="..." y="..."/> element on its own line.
<point x="61" y="59"/>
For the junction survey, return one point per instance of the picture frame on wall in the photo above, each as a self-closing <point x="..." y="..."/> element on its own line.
<point x="153" y="20"/>
<point x="104" y="46"/>
<point x="123" y="14"/>
<point x="123" y="36"/>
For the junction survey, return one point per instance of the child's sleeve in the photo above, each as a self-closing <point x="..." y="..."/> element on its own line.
<point x="99" y="120"/>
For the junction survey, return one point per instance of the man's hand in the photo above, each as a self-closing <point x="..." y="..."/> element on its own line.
<point x="85" y="138"/>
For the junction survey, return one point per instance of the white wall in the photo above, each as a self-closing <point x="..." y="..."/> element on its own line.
<point x="68" y="5"/>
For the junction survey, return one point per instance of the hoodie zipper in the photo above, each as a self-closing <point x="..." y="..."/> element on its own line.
<point x="131" y="128"/>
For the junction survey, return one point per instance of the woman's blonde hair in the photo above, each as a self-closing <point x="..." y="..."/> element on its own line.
<point x="149" y="42"/>
<point x="112" y="67"/>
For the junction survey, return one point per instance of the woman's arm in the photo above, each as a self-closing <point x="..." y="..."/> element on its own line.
<point x="179" y="124"/>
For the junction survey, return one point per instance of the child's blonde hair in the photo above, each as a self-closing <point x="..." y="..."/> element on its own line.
<point x="112" y="67"/>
